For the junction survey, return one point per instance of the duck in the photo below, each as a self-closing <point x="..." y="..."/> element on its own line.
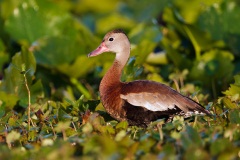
<point x="139" y="102"/>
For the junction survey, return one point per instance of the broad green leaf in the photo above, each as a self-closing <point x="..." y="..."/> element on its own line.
<point x="7" y="7"/>
<point x="14" y="81"/>
<point x="143" y="32"/>
<point x="19" y="74"/>
<point x="66" y="52"/>
<point x="190" y="13"/>
<point x="72" y="69"/>
<point x="215" y="64"/>
<point x="223" y="14"/>
<point x="26" y="23"/>
<point x="55" y="51"/>
<point x="131" y="71"/>
<point x="177" y="58"/>
<point x="33" y="19"/>
<point x="141" y="52"/>
<point x="113" y="21"/>
<point x="200" y="40"/>
<point x="8" y="100"/>
<point x="144" y="11"/>
<point x="92" y="6"/>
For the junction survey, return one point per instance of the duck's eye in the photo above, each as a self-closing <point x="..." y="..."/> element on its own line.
<point x="111" y="39"/>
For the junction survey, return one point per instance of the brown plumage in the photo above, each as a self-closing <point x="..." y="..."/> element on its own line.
<point x="138" y="102"/>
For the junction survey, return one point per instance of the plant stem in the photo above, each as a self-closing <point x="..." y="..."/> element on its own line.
<point x="176" y="84"/>
<point x="159" y="126"/>
<point x="29" y="101"/>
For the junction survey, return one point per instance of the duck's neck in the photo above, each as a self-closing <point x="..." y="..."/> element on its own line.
<point x="113" y="75"/>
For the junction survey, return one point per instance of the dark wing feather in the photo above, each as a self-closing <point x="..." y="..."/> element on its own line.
<point x="158" y="97"/>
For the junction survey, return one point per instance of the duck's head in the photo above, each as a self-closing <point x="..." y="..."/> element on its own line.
<point x="115" y="41"/>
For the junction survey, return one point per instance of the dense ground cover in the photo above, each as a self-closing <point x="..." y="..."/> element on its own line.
<point x="49" y="101"/>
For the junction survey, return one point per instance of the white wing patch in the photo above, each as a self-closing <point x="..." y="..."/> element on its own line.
<point x="150" y="101"/>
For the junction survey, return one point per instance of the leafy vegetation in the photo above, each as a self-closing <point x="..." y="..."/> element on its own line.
<point x="49" y="102"/>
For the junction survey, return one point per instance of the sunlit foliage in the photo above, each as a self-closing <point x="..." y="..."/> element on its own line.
<point x="190" y="45"/>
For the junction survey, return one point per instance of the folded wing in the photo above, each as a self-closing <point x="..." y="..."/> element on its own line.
<point x="158" y="97"/>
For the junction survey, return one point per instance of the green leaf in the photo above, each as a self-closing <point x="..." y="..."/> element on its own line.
<point x="131" y="71"/>
<point x="228" y="103"/>
<point x="14" y="82"/>
<point x="219" y="146"/>
<point x="168" y="152"/>
<point x="3" y="56"/>
<point x="191" y="138"/>
<point x="8" y="100"/>
<point x="141" y="52"/>
<point x="54" y="51"/>
<point x="189" y="13"/>
<point x="113" y="21"/>
<point x="122" y="125"/>
<point x="35" y="19"/>
<point x="223" y="15"/>
<point x="30" y="23"/>
<point x="214" y="64"/>
<point x="234" y="116"/>
<point x="72" y="69"/>
<point x="145" y="10"/>
<point x="120" y="135"/>
<point x="200" y="40"/>
<point x="2" y="109"/>
<point x="143" y="32"/>
<point x="234" y="89"/>
<point x="91" y="6"/>
<point x="100" y="145"/>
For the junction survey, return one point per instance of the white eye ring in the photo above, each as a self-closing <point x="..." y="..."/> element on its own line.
<point x="110" y="39"/>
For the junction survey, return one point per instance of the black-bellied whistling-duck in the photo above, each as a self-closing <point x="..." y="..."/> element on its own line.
<point x="138" y="102"/>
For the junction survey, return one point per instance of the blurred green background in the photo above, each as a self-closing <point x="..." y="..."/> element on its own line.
<point x="193" y="45"/>
<point x="183" y="40"/>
